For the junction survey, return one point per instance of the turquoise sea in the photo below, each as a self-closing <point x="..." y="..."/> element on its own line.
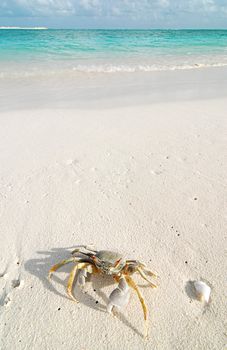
<point x="52" y="52"/>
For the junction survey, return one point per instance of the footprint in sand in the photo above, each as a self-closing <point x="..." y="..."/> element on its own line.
<point x="156" y="172"/>
<point x="10" y="283"/>
<point x="16" y="283"/>
<point x="75" y="167"/>
<point x="71" y="162"/>
<point x="93" y="169"/>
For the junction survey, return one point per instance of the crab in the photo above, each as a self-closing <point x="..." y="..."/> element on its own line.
<point x="89" y="261"/>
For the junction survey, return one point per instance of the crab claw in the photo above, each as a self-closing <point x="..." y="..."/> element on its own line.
<point x="82" y="274"/>
<point x="119" y="297"/>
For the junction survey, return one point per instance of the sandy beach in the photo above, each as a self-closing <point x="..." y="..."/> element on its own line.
<point x="140" y="169"/>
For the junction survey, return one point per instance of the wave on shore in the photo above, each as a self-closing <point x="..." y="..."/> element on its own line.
<point x="98" y="69"/>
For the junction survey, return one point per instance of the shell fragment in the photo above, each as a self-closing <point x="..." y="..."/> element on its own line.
<point x="202" y="291"/>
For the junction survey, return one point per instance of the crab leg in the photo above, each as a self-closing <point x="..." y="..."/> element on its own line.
<point x="150" y="273"/>
<point x="87" y="248"/>
<point x="70" y="283"/>
<point x="72" y="278"/>
<point x="133" y="285"/>
<point x="60" y="264"/>
<point x="142" y="274"/>
<point x="142" y="266"/>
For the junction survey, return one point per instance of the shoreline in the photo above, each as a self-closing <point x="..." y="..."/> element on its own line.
<point x="89" y="91"/>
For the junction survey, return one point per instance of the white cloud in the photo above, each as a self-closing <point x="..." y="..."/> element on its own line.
<point x="89" y="7"/>
<point x="116" y="11"/>
<point x="41" y="7"/>
<point x="146" y="10"/>
<point x="90" y="4"/>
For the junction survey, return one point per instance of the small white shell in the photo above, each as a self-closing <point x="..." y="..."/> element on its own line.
<point x="202" y="291"/>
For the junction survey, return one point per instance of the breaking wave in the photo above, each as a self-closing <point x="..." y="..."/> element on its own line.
<point x="99" y="69"/>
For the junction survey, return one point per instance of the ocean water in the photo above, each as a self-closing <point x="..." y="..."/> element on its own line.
<point x="34" y="53"/>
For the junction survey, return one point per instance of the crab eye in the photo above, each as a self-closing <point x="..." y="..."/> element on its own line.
<point x="130" y="270"/>
<point x="94" y="258"/>
<point x="117" y="263"/>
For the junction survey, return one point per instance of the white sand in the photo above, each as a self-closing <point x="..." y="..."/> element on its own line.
<point x="148" y="180"/>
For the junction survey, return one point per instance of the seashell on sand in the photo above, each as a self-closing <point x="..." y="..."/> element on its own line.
<point x="202" y="291"/>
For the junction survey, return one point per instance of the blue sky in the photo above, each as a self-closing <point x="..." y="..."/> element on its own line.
<point x="114" y="13"/>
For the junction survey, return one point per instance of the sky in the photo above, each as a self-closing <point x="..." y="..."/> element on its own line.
<point x="114" y="13"/>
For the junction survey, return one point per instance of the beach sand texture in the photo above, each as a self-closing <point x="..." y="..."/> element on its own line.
<point x="148" y="180"/>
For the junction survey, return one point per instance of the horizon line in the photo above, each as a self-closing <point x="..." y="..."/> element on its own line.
<point x="117" y="28"/>
<point x="24" y="28"/>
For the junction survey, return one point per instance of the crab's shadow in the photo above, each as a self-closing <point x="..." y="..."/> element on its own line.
<point x="40" y="267"/>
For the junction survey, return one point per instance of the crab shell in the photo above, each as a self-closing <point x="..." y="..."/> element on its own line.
<point x="91" y="261"/>
<point x="110" y="263"/>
